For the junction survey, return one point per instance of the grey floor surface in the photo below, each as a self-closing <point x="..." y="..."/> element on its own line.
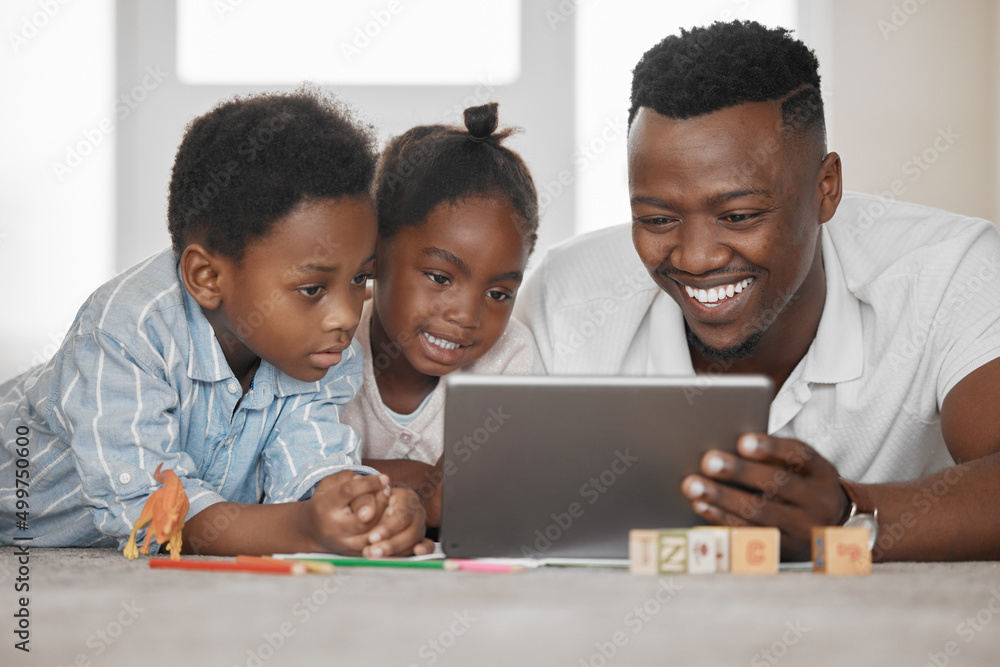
<point x="92" y="607"/>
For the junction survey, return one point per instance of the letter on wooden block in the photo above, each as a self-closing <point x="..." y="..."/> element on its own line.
<point x="701" y="552"/>
<point x="841" y="550"/>
<point x="754" y="550"/>
<point x="721" y="536"/>
<point x="643" y="550"/>
<point x="673" y="551"/>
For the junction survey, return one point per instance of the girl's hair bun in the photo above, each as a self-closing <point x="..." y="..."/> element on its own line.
<point x="481" y="121"/>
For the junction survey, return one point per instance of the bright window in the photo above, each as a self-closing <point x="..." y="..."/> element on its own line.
<point x="610" y="39"/>
<point x="366" y="42"/>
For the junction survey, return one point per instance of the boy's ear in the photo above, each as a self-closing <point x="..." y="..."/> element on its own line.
<point x="200" y="269"/>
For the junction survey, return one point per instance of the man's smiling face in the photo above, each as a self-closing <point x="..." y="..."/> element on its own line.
<point x="726" y="212"/>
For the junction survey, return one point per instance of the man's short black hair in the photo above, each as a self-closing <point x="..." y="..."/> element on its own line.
<point x="726" y="64"/>
<point x="252" y="159"/>
<point x="431" y="164"/>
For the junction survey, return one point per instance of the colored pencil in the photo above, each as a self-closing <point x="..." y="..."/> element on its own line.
<point x="465" y="565"/>
<point x="313" y="567"/>
<point x="278" y="567"/>
<point x="375" y="562"/>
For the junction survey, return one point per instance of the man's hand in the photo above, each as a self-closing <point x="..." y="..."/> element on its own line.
<point x="776" y="482"/>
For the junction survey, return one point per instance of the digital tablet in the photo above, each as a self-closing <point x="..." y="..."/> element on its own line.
<point x="565" y="466"/>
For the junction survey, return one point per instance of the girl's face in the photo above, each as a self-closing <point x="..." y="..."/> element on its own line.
<point x="444" y="289"/>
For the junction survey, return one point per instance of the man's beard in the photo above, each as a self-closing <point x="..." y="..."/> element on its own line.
<point x="725" y="355"/>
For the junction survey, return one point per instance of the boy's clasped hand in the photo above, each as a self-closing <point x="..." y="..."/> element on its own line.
<point x="355" y="514"/>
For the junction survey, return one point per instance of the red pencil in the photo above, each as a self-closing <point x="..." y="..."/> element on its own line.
<point x="311" y="566"/>
<point x="278" y="567"/>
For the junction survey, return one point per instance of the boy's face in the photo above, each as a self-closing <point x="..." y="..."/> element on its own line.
<point x="295" y="299"/>
<point x="445" y="288"/>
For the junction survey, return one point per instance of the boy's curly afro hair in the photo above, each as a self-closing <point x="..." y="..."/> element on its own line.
<point x="252" y="159"/>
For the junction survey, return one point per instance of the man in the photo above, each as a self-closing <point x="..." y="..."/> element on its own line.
<point x="876" y="320"/>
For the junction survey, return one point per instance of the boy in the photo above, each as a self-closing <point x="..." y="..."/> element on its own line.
<point x="227" y="358"/>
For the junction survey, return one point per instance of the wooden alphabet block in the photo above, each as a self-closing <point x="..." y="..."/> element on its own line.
<point x="720" y="535"/>
<point x="701" y="558"/>
<point x="841" y="550"/>
<point x="755" y="550"/>
<point x="673" y="550"/>
<point x="657" y="551"/>
<point x="643" y="547"/>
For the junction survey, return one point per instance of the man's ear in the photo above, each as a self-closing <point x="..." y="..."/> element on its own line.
<point x="200" y="270"/>
<point x="831" y="185"/>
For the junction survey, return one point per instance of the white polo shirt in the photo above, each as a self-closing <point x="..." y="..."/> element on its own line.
<point x="911" y="308"/>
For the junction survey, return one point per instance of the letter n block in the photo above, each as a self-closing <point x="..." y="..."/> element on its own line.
<point x="754" y="550"/>
<point x="841" y="550"/>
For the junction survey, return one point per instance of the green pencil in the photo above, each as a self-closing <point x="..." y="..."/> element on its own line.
<point x="376" y="562"/>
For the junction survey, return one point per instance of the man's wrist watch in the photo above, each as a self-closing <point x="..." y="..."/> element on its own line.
<point x="857" y="517"/>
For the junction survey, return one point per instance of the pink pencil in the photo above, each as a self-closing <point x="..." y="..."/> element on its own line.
<point x="464" y="565"/>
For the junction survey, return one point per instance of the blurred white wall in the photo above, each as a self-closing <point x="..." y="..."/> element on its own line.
<point x="100" y="77"/>
<point x="60" y="128"/>
<point x="916" y="110"/>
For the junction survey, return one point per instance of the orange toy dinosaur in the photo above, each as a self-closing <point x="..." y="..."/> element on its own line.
<point x="164" y="511"/>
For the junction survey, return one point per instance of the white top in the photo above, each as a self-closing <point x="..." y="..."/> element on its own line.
<point x="911" y="309"/>
<point x="422" y="439"/>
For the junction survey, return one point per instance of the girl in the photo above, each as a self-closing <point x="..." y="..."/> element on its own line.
<point x="457" y="221"/>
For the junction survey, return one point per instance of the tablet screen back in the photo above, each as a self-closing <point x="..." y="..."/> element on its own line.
<point x="566" y="466"/>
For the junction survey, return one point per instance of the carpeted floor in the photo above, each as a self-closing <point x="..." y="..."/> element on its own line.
<point x="92" y="607"/>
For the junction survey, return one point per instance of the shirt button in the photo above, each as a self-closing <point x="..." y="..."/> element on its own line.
<point x="229" y="441"/>
<point x="124" y="478"/>
<point x="233" y="387"/>
<point x="405" y="436"/>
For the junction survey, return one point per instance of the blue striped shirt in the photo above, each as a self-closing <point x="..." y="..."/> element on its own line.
<point x="141" y="380"/>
